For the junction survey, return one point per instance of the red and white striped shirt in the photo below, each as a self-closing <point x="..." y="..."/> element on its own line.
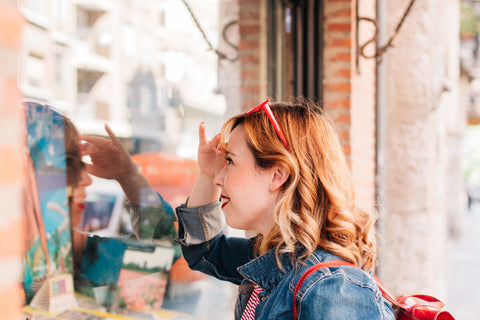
<point x="249" y="312"/>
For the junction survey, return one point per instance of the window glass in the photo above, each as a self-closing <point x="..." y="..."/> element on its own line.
<point x="145" y="69"/>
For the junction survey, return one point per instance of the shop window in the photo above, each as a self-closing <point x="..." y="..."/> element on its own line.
<point x="144" y="68"/>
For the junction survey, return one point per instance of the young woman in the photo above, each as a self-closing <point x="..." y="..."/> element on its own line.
<point x="279" y="170"/>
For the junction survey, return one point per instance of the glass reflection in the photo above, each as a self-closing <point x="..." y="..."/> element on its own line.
<point x="144" y="68"/>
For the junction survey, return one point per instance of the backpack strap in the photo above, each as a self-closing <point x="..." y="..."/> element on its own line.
<point x="337" y="263"/>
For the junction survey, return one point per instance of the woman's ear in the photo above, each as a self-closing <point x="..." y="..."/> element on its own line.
<point x="280" y="174"/>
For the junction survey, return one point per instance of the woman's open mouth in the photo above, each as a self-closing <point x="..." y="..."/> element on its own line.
<point x="225" y="200"/>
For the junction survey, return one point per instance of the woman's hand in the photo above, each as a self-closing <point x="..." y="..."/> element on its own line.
<point x="109" y="158"/>
<point x="210" y="161"/>
<point x="209" y="154"/>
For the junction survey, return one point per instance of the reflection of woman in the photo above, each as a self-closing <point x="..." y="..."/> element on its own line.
<point x="77" y="181"/>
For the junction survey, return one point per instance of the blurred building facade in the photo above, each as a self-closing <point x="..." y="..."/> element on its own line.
<point x="137" y="65"/>
<point x="400" y="111"/>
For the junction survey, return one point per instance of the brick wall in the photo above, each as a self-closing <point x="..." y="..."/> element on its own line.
<point x="11" y="240"/>
<point x="250" y="52"/>
<point x="349" y="90"/>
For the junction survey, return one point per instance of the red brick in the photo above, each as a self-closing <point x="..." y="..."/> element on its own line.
<point x="249" y="88"/>
<point x="344" y="118"/>
<point x="339" y="103"/>
<point x="347" y="149"/>
<point x="11" y="25"/>
<point x="248" y="2"/>
<point x="249" y="104"/>
<point x="343" y="73"/>
<point x="339" y="87"/>
<point x="341" y="56"/>
<point x="342" y="12"/>
<point x="249" y="74"/>
<point x="249" y="58"/>
<point x="339" y="26"/>
<point x="248" y="45"/>
<point x="340" y="42"/>
<point x="245" y="14"/>
<point x="249" y="29"/>
<point x="344" y="135"/>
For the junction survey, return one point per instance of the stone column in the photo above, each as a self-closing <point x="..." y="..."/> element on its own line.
<point x="421" y="96"/>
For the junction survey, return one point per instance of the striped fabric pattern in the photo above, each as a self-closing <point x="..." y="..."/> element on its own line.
<point x="249" y="312"/>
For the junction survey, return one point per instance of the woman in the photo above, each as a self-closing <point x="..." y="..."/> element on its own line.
<point x="283" y="174"/>
<point x="278" y="170"/>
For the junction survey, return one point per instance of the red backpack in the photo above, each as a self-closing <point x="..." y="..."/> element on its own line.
<point x="413" y="307"/>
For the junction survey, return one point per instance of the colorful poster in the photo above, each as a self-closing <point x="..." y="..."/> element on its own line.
<point x="48" y="236"/>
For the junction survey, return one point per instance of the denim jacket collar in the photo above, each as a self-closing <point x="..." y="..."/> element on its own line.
<point x="264" y="270"/>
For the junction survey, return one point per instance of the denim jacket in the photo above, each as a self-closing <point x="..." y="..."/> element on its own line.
<point x="330" y="293"/>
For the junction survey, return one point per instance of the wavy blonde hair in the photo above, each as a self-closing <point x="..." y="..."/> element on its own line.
<point x="317" y="204"/>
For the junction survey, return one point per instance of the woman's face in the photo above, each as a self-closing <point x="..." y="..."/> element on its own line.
<point x="80" y="191"/>
<point x="247" y="199"/>
<point x="79" y="180"/>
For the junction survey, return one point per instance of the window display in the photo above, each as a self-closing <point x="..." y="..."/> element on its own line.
<point x="145" y="69"/>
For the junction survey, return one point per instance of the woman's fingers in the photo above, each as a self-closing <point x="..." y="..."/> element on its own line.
<point x="94" y="139"/>
<point x="112" y="136"/>
<point x="202" y="135"/>
<point x="215" y="144"/>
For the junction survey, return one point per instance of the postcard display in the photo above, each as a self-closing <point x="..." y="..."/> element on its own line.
<point x="48" y="258"/>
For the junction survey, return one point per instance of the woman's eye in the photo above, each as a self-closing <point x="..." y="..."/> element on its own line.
<point x="228" y="160"/>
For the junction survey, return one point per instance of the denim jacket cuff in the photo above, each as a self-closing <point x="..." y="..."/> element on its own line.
<point x="199" y="225"/>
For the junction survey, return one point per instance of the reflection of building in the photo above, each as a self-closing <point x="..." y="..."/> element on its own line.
<point x="127" y="63"/>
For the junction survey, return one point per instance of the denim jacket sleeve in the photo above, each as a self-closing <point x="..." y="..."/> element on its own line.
<point x="198" y="225"/>
<point x="206" y="248"/>
<point x="153" y="218"/>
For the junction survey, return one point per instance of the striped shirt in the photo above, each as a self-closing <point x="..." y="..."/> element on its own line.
<point x="249" y="312"/>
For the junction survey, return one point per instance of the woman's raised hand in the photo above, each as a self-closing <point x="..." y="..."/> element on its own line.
<point x="209" y="155"/>
<point x="210" y="161"/>
<point x="109" y="159"/>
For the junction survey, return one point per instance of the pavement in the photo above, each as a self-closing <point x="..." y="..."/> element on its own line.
<point x="463" y="291"/>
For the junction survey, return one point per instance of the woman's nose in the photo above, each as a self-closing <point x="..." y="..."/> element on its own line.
<point x="85" y="179"/>
<point x="218" y="179"/>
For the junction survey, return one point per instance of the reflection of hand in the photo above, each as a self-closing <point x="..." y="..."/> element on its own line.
<point x="109" y="158"/>
<point x="209" y="154"/>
